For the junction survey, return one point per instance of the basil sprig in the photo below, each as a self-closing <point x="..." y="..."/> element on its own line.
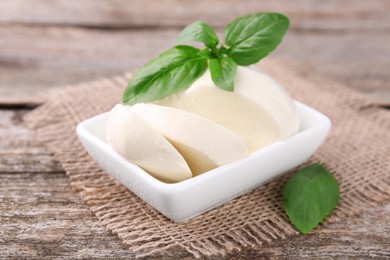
<point x="252" y="37"/>
<point x="199" y="32"/>
<point x="170" y="72"/>
<point x="247" y="39"/>
<point x="309" y="196"/>
<point x="223" y="70"/>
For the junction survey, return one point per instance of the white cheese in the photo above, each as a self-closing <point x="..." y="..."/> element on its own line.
<point x="258" y="110"/>
<point x="271" y="96"/>
<point x="138" y="142"/>
<point x="204" y="144"/>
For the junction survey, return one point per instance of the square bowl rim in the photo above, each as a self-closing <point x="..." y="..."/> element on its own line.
<point x="169" y="188"/>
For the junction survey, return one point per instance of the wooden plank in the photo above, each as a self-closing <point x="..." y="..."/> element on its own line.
<point x="20" y="152"/>
<point x="331" y="14"/>
<point x="42" y="217"/>
<point x="363" y="236"/>
<point x="54" y="56"/>
<point x="48" y="222"/>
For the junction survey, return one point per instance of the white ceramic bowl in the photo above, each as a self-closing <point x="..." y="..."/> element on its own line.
<point x="184" y="200"/>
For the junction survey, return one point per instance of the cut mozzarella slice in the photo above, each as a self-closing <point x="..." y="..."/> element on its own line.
<point x="204" y="144"/>
<point x="258" y="110"/>
<point x="138" y="142"/>
<point x="271" y="96"/>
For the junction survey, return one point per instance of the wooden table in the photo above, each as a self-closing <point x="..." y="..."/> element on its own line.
<point x="52" y="43"/>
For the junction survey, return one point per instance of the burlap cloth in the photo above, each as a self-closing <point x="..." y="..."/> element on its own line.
<point x="356" y="151"/>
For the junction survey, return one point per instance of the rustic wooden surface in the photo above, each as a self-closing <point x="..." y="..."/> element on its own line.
<point x="51" y="43"/>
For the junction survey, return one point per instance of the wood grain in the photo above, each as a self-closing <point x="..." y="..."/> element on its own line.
<point x="348" y="239"/>
<point x="55" y="56"/>
<point x="41" y="216"/>
<point x="315" y="15"/>
<point x="52" y="43"/>
<point x="19" y="151"/>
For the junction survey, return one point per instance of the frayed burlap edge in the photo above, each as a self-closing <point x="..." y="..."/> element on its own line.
<point x="355" y="151"/>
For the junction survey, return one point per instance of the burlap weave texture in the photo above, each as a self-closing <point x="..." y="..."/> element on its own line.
<point x="356" y="151"/>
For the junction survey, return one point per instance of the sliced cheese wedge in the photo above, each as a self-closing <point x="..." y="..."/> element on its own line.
<point x="204" y="144"/>
<point x="270" y="95"/>
<point x="138" y="142"/>
<point x="258" y="110"/>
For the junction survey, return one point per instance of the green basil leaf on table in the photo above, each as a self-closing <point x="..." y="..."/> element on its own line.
<point x="199" y="32"/>
<point x="309" y="196"/>
<point x="172" y="71"/>
<point x="251" y="37"/>
<point x="223" y="71"/>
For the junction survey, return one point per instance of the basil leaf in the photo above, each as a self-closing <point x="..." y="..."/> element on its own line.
<point x="172" y="71"/>
<point x="309" y="196"/>
<point x="254" y="36"/>
<point x="199" y="32"/>
<point x="223" y="71"/>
